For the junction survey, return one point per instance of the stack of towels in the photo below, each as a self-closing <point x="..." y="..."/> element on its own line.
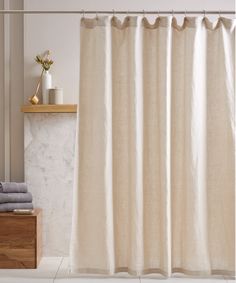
<point x="14" y="196"/>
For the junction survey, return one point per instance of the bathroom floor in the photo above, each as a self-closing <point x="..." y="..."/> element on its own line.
<point x="55" y="269"/>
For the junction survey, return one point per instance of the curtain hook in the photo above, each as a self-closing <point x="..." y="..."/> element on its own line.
<point x="204" y="13"/>
<point x="96" y="15"/>
<point x="158" y="15"/>
<point x="172" y="13"/>
<point x="113" y="12"/>
<point x="219" y="14"/>
<point x="127" y="13"/>
<point x="143" y="13"/>
<point x="185" y="13"/>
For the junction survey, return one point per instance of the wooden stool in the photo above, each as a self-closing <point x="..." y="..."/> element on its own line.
<point x="20" y="240"/>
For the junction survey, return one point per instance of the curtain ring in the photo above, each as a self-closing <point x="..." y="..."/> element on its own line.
<point x="127" y="15"/>
<point x="83" y="14"/>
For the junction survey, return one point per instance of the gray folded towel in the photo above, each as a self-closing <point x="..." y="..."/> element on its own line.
<point x="5" y="207"/>
<point x="15" y="197"/>
<point x="12" y="187"/>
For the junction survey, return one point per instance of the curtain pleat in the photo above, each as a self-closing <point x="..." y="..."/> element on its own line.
<point x="156" y="188"/>
<point x="189" y="190"/>
<point x="154" y="181"/>
<point x="221" y="149"/>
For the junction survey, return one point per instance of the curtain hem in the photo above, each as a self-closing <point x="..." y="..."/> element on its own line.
<point x="203" y="273"/>
<point x="154" y="270"/>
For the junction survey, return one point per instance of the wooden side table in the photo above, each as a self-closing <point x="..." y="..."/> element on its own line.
<point x="20" y="240"/>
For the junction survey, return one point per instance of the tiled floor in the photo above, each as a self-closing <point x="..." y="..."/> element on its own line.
<point x="55" y="269"/>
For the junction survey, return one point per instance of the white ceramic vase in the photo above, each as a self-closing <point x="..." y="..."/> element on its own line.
<point x="46" y="85"/>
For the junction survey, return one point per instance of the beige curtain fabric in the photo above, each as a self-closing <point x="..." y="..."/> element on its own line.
<point x="154" y="181"/>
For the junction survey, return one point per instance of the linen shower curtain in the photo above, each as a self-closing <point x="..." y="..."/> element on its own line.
<point x="155" y="173"/>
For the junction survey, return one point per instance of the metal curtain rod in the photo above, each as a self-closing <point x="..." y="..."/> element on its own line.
<point x="204" y="12"/>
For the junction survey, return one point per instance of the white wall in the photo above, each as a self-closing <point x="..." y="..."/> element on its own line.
<point x="60" y="34"/>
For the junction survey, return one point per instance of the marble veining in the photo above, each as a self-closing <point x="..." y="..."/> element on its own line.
<point x="49" y="141"/>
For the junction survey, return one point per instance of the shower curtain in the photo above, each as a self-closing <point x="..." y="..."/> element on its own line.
<point x="155" y="170"/>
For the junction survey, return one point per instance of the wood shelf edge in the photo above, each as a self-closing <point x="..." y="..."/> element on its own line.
<point x="49" y="108"/>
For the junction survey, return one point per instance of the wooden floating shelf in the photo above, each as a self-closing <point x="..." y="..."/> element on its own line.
<point x="49" y="108"/>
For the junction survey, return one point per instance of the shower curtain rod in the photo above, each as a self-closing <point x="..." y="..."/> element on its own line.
<point x="204" y="12"/>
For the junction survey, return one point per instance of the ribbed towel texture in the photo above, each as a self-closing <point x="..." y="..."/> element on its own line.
<point x="12" y="187"/>
<point x="14" y="196"/>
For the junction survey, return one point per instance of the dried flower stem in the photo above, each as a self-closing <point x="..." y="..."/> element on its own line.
<point x="39" y="82"/>
<point x="42" y="61"/>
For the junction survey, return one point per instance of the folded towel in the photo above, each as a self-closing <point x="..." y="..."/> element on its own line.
<point x="4" y="207"/>
<point x="15" y="197"/>
<point x="11" y="187"/>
